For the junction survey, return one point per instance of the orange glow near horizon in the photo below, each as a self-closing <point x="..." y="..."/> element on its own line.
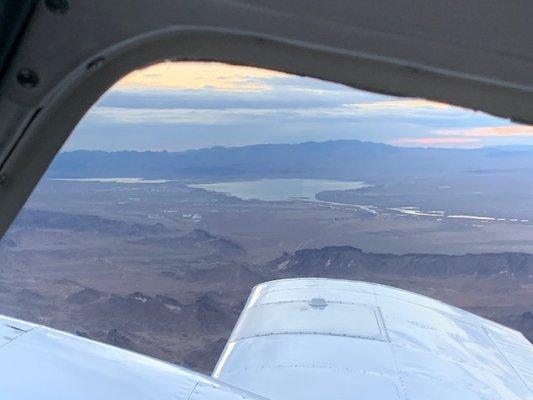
<point x="489" y="131"/>
<point x="197" y="75"/>
<point x="432" y="141"/>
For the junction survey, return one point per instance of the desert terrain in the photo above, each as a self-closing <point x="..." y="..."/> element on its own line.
<point x="164" y="269"/>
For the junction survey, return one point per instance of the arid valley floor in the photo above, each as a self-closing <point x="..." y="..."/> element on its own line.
<point x="164" y="269"/>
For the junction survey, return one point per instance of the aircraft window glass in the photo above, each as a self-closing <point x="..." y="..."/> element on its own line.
<point x="189" y="183"/>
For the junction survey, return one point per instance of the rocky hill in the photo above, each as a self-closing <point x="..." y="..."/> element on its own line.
<point x="352" y="263"/>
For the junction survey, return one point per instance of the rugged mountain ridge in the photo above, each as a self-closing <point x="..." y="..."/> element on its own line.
<point x="38" y="219"/>
<point x="340" y="159"/>
<point x="352" y="263"/>
<point x="198" y="240"/>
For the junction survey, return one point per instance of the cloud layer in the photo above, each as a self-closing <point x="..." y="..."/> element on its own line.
<point x="178" y="106"/>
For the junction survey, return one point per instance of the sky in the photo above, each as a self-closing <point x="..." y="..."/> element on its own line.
<point x="190" y="105"/>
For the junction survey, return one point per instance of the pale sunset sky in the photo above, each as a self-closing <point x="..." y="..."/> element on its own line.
<point x="189" y="105"/>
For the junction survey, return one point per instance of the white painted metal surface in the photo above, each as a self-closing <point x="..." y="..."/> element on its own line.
<point x="332" y="339"/>
<point x="45" y="364"/>
<point x="296" y="339"/>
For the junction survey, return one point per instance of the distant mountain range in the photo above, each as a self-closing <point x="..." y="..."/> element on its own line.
<point x="342" y="159"/>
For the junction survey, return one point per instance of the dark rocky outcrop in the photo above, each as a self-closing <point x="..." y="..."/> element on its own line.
<point x="36" y="219"/>
<point x="352" y="263"/>
<point x="84" y="296"/>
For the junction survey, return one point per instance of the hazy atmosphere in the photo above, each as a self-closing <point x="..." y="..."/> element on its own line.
<point x="187" y="184"/>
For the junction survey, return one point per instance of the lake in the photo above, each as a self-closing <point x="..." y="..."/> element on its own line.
<point x="278" y="189"/>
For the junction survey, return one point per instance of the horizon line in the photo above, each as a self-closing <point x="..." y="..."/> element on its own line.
<point x="299" y="143"/>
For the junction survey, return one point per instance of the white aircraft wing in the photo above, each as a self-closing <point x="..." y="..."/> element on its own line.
<point x="296" y="339"/>
<point x="42" y="363"/>
<point x="333" y="339"/>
